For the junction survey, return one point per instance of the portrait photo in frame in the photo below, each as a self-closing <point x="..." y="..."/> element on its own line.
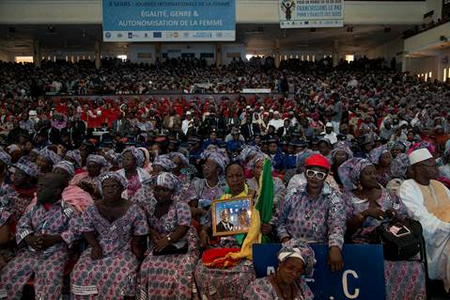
<point x="231" y="216"/>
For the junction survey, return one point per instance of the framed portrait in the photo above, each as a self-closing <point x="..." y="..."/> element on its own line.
<point x="231" y="216"/>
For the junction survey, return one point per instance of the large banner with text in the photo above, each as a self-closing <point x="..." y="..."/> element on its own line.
<point x="311" y="13"/>
<point x="362" y="277"/>
<point x="169" y="20"/>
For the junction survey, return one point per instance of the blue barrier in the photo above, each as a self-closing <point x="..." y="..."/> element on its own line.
<point x="361" y="278"/>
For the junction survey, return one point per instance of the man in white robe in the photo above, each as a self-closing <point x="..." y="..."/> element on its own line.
<point x="428" y="201"/>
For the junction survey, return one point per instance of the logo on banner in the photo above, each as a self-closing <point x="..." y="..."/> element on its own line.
<point x="119" y="35"/>
<point x="157" y="34"/>
<point x="108" y="35"/>
<point x="186" y="34"/>
<point x="175" y="34"/>
<point x="130" y="35"/>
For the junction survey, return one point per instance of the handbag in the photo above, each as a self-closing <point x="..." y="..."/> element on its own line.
<point x="401" y="238"/>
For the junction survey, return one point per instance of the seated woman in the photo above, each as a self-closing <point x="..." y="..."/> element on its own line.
<point x="381" y="157"/>
<point x="132" y="162"/>
<point x="215" y="283"/>
<point x="279" y="188"/>
<point x="95" y="165"/>
<point x="162" y="163"/>
<point x="211" y="186"/>
<point x="367" y="203"/>
<point x="14" y="200"/>
<point x="340" y="153"/>
<point x="314" y="212"/>
<point x="299" y="179"/>
<point x="46" y="160"/>
<point x="181" y="162"/>
<point x="295" y="261"/>
<point x="114" y="228"/>
<point x="74" y="156"/>
<point x="173" y="244"/>
<point x="5" y="161"/>
<point x="72" y="194"/>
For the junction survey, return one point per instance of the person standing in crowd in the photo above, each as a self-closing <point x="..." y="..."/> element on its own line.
<point x="428" y="201"/>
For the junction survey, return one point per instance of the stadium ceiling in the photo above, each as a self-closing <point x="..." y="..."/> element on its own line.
<point x="256" y="37"/>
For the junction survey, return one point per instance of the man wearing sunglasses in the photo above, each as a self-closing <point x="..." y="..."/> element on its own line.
<point x="314" y="212"/>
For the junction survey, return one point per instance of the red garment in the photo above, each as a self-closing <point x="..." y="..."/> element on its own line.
<point x="317" y="160"/>
<point x="215" y="258"/>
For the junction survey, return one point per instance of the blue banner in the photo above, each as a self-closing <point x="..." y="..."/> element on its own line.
<point x="362" y="276"/>
<point x="169" y="20"/>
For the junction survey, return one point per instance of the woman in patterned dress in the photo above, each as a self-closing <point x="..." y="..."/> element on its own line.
<point x="314" y="212"/>
<point x="46" y="160"/>
<point x="167" y="270"/>
<point x="295" y="261"/>
<point x="88" y="181"/>
<point x="256" y="166"/>
<point x="14" y="200"/>
<point x="208" y="188"/>
<point x="226" y="283"/>
<point x="114" y="228"/>
<point x="381" y="157"/>
<point x="132" y="162"/>
<point x="5" y="161"/>
<point x="367" y="203"/>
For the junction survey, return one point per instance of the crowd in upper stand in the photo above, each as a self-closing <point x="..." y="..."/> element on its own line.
<point x="115" y="192"/>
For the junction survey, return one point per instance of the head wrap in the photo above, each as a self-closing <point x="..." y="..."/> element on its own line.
<point x="66" y="166"/>
<point x="137" y="154"/>
<point x="97" y="159"/>
<point x="299" y="250"/>
<point x="247" y="152"/>
<point x="146" y="155"/>
<point x="50" y="156"/>
<point x="183" y="158"/>
<point x="399" y="144"/>
<point x="375" y="154"/>
<point x="5" y="157"/>
<point x="302" y="156"/>
<point x="28" y="167"/>
<point x="350" y="172"/>
<point x="164" y="162"/>
<point x="259" y="157"/>
<point x="399" y="166"/>
<point x="75" y="155"/>
<point x="168" y="180"/>
<point x="419" y="155"/>
<point x="317" y="160"/>
<point x="113" y="175"/>
<point x="217" y="155"/>
<point x="342" y="146"/>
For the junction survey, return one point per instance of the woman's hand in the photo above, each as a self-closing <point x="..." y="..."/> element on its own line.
<point x="335" y="260"/>
<point x="96" y="253"/>
<point x="161" y="243"/>
<point x="374" y="213"/>
<point x="204" y="239"/>
<point x="266" y="228"/>
<point x="285" y="239"/>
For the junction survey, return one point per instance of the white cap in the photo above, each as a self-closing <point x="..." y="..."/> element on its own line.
<point x="32" y="113"/>
<point x="271" y="110"/>
<point x="248" y="107"/>
<point x="188" y="113"/>
<point x="419" y="155"/>
<point x="329" y="124"/>
<point x="276" y="112"/>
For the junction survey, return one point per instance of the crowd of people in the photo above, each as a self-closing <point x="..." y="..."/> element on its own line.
<point x="115" y="194"/>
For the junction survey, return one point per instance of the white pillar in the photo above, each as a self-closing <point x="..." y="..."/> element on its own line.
<point x="97" y="53"/>
<point x="218" y="54"/>
<point x="336" y="55"/>
<point x="37" y="53"/>
<point x="277" y="53"/>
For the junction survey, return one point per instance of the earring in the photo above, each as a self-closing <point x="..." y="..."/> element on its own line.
<point x="360" y="188"/>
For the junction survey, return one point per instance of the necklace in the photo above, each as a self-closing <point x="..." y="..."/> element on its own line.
<point x="211" y="187"/>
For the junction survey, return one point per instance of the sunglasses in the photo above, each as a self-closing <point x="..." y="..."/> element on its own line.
<point x="319" y="175"/>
